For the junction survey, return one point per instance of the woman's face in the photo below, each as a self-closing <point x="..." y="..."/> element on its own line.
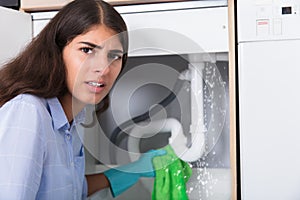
<point x="93" y="61"/>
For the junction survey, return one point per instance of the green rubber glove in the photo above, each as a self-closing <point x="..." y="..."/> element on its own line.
<point x="123" y="177"/>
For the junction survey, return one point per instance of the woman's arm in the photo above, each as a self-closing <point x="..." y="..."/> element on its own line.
<point x="96" y="182"/>
<point x="121" y="178"/>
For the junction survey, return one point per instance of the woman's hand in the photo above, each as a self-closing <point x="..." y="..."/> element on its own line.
<point x="123" y="177"/>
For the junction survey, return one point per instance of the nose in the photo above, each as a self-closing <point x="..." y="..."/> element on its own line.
<point x="102" y="70"/>
<point x="101" y="64"/>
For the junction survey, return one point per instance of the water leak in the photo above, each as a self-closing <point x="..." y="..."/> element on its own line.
<point x="211" y="173"/>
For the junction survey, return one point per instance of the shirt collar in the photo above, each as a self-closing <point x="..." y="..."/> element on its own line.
<point x="59" y="117"/>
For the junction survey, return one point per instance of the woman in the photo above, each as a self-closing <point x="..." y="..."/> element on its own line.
<point x="73" y="62"/>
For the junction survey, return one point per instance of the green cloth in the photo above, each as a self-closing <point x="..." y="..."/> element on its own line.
<point x="171" y="177"/>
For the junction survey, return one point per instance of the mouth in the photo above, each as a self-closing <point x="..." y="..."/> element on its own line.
<point x="96" y="84"/>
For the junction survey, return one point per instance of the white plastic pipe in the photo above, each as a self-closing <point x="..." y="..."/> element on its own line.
<point x="178" y="140"/>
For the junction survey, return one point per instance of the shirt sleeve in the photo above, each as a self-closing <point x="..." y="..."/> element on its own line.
<point x="21" y="150"/>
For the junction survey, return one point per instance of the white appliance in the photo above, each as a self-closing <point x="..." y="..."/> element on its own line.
<point x="16" y="32"/>
<point x="269" y="99"/>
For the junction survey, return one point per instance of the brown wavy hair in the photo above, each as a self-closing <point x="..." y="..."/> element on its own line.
<point x="39" y="69"/>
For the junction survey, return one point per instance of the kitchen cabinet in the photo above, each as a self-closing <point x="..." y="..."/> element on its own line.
<point x="13" y="23"/>
<point x="177" y="17"/>
<point x="202" y="23"/>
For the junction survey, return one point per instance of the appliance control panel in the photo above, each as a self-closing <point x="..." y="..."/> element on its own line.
<point x="268" y="20"/>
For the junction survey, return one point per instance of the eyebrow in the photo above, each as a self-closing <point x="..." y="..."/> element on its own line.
<point x="101" y="47"/>
<point x="92" y="45"/>
<point x="117" y="51"/>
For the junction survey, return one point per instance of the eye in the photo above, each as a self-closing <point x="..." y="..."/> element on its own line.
<point x="86" y="50"/>
<point x="114" y="56"/>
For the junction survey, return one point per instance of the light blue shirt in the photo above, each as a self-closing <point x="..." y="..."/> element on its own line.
<point x="41" y="155"/>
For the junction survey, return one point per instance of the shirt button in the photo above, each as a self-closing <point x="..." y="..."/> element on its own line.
<point x="68" y="136"/>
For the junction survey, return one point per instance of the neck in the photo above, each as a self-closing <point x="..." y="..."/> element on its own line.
<point x="71" y="106"/>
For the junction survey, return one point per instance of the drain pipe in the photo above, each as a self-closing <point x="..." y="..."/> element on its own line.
<point x="178" y="140"/>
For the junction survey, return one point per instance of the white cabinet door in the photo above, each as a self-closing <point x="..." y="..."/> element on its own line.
<point x="178" y="31"/>
<point x="168" y="31"/>
<point x="269" y="119"/>
<point x="16" y="32"/>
